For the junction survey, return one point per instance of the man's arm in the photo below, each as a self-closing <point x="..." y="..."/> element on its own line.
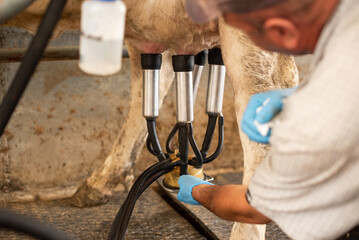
<point x="228" y="202"/>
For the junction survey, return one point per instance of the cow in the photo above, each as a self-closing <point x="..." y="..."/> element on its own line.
<point x="162" y="26"/>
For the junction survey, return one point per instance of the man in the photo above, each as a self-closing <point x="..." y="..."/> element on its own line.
<point x="309" y="182"/>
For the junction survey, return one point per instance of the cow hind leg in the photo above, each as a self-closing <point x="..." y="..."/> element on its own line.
<point x="118" y="165"/>
<point x="252" y="70"/>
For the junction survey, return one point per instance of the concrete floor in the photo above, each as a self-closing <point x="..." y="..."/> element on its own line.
<point x="155" y="216"/>
<point x="152" y="219"/>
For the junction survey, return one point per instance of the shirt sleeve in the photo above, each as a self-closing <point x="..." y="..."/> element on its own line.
<point x="309" y="180"/>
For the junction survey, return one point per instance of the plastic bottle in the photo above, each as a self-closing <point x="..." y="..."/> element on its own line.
<point x="102" y="33"/>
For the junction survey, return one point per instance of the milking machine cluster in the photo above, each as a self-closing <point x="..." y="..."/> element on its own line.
<point x="176" y="162"/>
<point x="172" y="163"/>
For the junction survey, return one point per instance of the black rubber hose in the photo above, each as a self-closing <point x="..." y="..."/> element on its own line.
<point x="121" y="221"/>
<point x="211" y="125"/>
<point x="130" y="207"/>
<point x="183" y="148"/>
<point x="197" y="152"/>
<point x="170" y="138"/>
<point x="152" y="135"/>
<point x="155" y="176"/>
<point x="149" y="146"/>
<point x="31" y="59"/>
<point x="220" y="141"/>
<point x="30" y="226"/>
<point x="118" y="222"/>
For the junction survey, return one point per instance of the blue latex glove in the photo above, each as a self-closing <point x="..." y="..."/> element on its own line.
<point x="272" y="107"/>
<point x="186" y="184"/>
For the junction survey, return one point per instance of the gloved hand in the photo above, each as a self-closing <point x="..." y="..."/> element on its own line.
<point x="267" y="112"/>
<point x="186" y="183"/>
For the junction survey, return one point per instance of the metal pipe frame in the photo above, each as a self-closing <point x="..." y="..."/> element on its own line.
<point x="50" y="54"/>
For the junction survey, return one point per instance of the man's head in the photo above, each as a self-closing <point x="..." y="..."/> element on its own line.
<point x="287" y="26"/>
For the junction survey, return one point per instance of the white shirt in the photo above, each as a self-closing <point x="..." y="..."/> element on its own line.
<point x="309" y="182"/>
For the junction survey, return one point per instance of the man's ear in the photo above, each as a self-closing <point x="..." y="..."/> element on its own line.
<point x="282" y="32"/>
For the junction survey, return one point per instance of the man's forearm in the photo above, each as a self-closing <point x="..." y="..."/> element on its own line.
<point x="228" y="202"/>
